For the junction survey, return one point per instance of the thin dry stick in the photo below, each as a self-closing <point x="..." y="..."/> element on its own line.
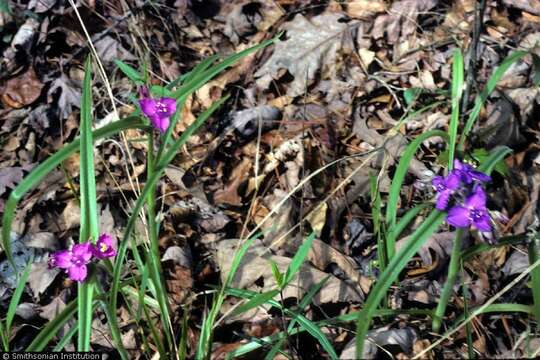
<point x="479" y="310"/>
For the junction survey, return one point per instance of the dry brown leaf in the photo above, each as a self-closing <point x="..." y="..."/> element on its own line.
<point x="71" y="216"/>
<point x="229" y="194"/>
<point x="41" y="276"/>
<point x="364" y="8"/>
<point x="22" y="90"/>
<point x="532" y="6"/>
<point x="255" y="265"/>
<point x="311" y="47"/>
<point x="321" y="255"/>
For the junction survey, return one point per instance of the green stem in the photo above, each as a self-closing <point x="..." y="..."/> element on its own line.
<point x="450" y="281"/>
<point x="155" y="265"/>
<point x="535" y="276"/>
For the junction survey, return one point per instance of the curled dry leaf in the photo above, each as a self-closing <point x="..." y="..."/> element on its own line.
<point x="404" y="338"/>
<point x="229" y="194"/>
<point x="22" y="90"/>
<point x="246" y="122"/>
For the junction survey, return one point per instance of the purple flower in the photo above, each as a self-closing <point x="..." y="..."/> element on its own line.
<point x="467" y="173"/>
<point x="472" y="212"/>
<point x="104" y="247"/>
<point x="445" y="187"/>
<point x="73" y="261"/>
<point x="159" y="111"/>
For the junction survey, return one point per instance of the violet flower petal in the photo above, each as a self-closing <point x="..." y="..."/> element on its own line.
<point x="77" y="273"/>
<point x="160" y="123"/>
<point x="82" y="251"/>
<point x="148" y="106"/>
<point x="104" y="247"/>
<point x="443" y="197"/>
<point x="169" y="104"/>
<point x="477" y="200"/>
<point x="483" y="223"/>
<point x="62" y="259"/>
<point x="452" y="181"/>
<point x="458" y="216"/>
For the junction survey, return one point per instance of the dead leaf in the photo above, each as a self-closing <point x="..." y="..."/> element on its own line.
<point x="400" y="22"/>
<point x="71" y="216"/>
<point x="41" y="6"/>
<point x="22" y="90"/>
<point x="532" y="6"/>
<point x="68" y="92"/>
<point x="311" y="47"/>
<point x="364" y="8"/>
<point x="109" y="49"/>
<point x="10" y="177"/>
<point x="51" y="310"/>
<point x="41" y="276"/>
<point x="179" y="255"/>
<point x="247" y="121"/>
<point x="229" y="194"/>
<point x="255" y="265"/>
<point x="404" y="338"/>
<point x="42" y="240"/>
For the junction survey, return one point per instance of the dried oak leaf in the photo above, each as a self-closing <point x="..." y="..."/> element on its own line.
<point x="22" y="90"/>
<point x="109" y="49"/>
<point x="255" y="265"/>
<point x="10" y="177"/>
<point x="364" y="8"/>
<point x="311" y="47"/>
<point x="400" y="19"/>
<point x="532" y="6"/>
<point x="70" y="94"/>
<point x="378" y="338"/>
<point x="229" y="194"/>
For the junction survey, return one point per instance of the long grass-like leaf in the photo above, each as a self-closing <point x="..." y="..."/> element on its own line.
<point x="495" y="155"/>
<point x="150" y="183"/>
<point x="535" y="275"/>
<point x="129" y="71"/>
<point x="490" y="86"/>
<point x="256" y="301"/>
<point x="16" y="297"/>
<point x="457" y="91"/>
<point x="66" y="338"/>
<point x="376" y="211"/>
<point x="205" y="339"/>
<point x="399" y="176"/>
<point x="36" y="175"/>
<point x="479" y="248"/>
<point x="453" y="267"/>
<point x="89" y="220"/>
<point x="395" y="266"/>
<point x="353" y="316"/>
<point x="49" y="331"/>
<point x="298" y="259"/>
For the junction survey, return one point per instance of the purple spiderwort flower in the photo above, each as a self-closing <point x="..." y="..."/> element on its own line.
<point x="73" y="261"/>
<point x="445" y="187"/>
<point x="468" y="174"/>
<point x="104" y="247"/>
<point x="472" y="212"/>
<point x="159" y="111"/>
